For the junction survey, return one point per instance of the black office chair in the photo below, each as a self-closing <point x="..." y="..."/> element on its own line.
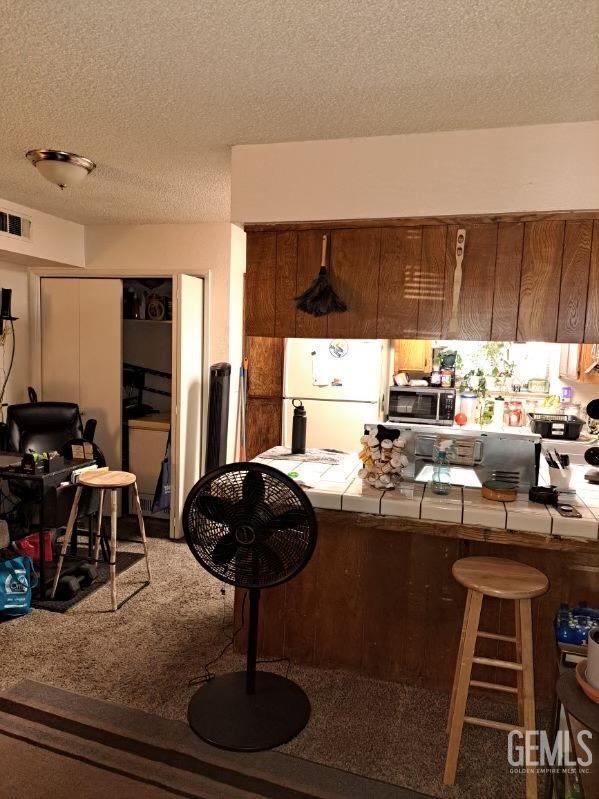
<point x="49" y="426"/>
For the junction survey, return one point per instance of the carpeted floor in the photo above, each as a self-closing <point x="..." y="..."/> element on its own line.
<point x="145" y="655"/>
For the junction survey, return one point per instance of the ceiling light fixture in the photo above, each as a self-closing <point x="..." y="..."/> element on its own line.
<point x="61" y="168"/>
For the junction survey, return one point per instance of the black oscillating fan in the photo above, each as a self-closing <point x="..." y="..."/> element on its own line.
<point x="252" y="527"/>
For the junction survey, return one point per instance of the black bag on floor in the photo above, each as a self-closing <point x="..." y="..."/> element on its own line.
<point x="162" y="494"/>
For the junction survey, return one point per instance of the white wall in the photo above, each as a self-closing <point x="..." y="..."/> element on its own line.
<point x="534" y="168"/>
<point x="13" y="276"/>
<point x="54" y="241"/>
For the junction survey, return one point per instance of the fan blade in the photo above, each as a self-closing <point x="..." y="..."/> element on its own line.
<point x="253" y="488"/>
<point x="225" y="549"/>
<point x="270" y="561"/>
<point x="216" y="509"/>
<point x="294" y="517"/>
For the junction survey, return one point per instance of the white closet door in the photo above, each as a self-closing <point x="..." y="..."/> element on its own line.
<point x="60" y="339"/>
<point x="188" y="378"/>
<point x="82" y="352"/>
<point x="100" y="361"/>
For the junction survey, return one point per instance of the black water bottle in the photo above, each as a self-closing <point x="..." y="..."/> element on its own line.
<point x="298" y="432"/>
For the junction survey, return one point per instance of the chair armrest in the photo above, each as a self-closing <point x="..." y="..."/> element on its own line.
<point x="89" y="431"/>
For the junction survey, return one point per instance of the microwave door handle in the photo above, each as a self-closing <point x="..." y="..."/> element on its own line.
<point x="438" y="417"/>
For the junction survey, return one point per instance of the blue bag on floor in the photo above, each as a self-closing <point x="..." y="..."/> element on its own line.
<point x="17" y="578"/>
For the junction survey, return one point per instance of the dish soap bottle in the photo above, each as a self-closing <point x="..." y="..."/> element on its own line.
<point x="441" y="483"/>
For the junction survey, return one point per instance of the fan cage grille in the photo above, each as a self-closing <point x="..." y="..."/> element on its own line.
<point x="249" y="525"/>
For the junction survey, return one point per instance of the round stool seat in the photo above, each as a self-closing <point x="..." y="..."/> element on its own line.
<point x="106" y="480"/>
<point x="500" y="577"/>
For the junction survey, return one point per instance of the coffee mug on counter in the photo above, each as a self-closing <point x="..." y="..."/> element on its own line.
<point x="592" y="670"/>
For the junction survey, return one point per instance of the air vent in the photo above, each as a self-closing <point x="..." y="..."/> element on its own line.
<point x="13" y="225"/>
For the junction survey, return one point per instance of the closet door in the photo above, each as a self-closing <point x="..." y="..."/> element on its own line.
<point x="188" y="386"/>
<point x="82" y="346"/>
<point x="60" y="339"/>
<point x="100" y="362"/>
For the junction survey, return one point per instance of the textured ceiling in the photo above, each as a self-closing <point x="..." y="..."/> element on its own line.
<point x="156" y="92"/>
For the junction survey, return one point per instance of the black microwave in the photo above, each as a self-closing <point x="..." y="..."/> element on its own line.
<point x="424" y="405"/>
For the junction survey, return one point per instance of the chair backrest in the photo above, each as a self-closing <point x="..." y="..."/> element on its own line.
<point x="42" y="426"/>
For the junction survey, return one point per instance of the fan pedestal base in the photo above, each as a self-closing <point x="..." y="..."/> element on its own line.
<point x="223" y="714"/>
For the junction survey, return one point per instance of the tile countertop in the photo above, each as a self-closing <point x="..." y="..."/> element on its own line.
<point x="339" y="488"/>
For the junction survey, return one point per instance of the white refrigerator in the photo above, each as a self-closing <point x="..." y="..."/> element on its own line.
<point x="342" y="384"/>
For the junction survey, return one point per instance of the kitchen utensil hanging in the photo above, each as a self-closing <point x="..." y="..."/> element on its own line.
<point x="320" y="298"/>
<point x="452" y="330"/>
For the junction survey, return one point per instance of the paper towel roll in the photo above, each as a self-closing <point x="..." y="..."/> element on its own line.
<point x="592" y="674"/>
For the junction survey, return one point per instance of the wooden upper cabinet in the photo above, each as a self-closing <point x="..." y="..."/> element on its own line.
<point x="431" y="288"/>
<point x="576" y="261"/>
<point x="260" y="284"/>
<point x="354" y="272"/>
<point x="399" y="282"/>
<point x="506" y="292"/>
<point x="591" y="330"/>
<point x="475" y="305"/>
<point x="286" y="284"/>
<point x="540" y="281"/>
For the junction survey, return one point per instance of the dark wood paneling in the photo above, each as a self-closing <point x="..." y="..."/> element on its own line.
<point x="265" y="366"/>
<point x="432" y="282"/>
<point x="475" y="307"/>
<point x="309" y="247"/>
<point x="591" y="330"/>
<point x="286" y="284"/>
<point x="540" y="283"/>
<point x="355" y="257"/>
<point x="506" y="295"/>
<point x="575" y="280"/>
<point x="261" y="264"/>
<point x="379" y="597"/>
<point x="263" y="425"/>
<point x="399" y="282"/>
<point x="416" y="221"/>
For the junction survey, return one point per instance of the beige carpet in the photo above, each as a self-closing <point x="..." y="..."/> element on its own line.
<point x="145" y="655"/>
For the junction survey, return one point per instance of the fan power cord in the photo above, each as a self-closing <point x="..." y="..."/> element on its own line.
<point x="210" y="675"/>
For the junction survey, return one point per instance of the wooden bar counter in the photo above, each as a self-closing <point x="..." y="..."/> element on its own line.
<point x="378" y="597"/>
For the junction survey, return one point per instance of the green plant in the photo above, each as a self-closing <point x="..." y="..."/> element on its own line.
<point x="496" y="354"/>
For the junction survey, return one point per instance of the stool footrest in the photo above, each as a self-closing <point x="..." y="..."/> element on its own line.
<point x="500" y="664"/>
<point x="494" y="686"/>
<point x="491" y="724"/>
<point x="497" y="637"/>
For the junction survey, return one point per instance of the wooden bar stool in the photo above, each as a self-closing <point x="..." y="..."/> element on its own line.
<point x="104" y="481"/>
<point x="502" y="579"/>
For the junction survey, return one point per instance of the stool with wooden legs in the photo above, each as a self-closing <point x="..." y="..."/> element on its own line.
<point x="104" y="481"/>
<point x="502" y="579"/>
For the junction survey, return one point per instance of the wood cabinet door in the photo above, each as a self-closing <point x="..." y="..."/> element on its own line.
<point x="475" y="304"/>
<point x="355" y="256"/>
<point x="431" y="284"/>
<point x="506" y="291"/>
<point x="588" y="357"/>
<point x="412" y="355"/>
<point x="286" y="284"/>
<point x="591" y="329"/>
<point x="399" y="283"/>
<point x="576" y="260"/>
<point x="540" y="282"/>
<point x="260" y="284"/>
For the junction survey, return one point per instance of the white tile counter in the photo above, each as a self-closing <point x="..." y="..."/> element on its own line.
<point x="338" y="488"/>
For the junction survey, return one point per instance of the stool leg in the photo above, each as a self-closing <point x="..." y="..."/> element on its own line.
<point x="528" y="686"/>
<point x="98" y="532"/>
<point x="463" y="682"/>
<point x="142" y="527"/>
<point x="66" y="539"/>
<point x="458" y="660"/>
<point x="519" y="681"/>
<point x="113" y="513"/>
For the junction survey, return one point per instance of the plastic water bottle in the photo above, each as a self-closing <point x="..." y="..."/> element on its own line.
<point x="441" y="474"/>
